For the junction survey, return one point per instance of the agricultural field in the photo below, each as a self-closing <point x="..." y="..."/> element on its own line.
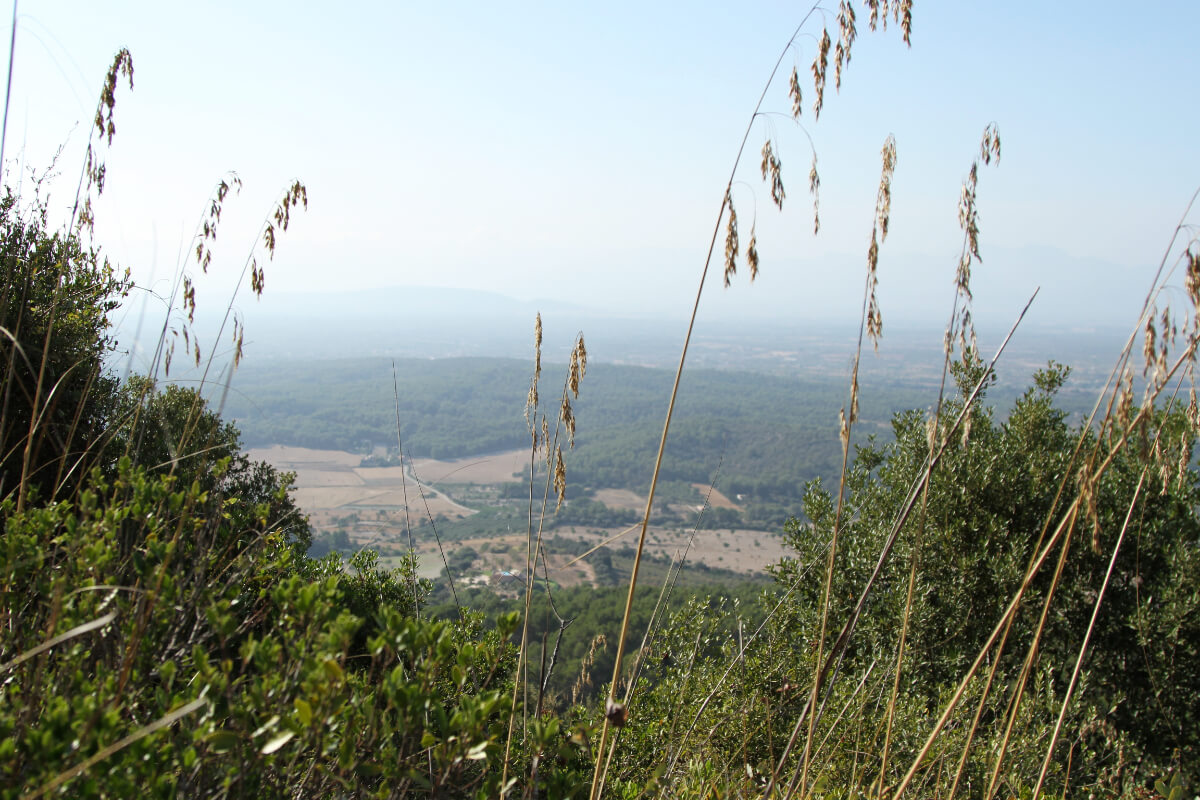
<point x="482" y="530"/>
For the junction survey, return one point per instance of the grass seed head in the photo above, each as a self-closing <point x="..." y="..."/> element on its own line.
<point x="1149" y="349"/>
<point x="531" y="399"/>
<point x="795" y="94"/>
<point x="731" y="240"/>
<point x="814" y="188"/>
<point x="752" y="255"/>
<point x="772" y="167"/>
<point x="122" y="66"/>
<point x="820" y="68"/>
<point x="597" y="646"/>
<point x="1191" y="279"/>
<point x="901" y="12"/>
<point x="846" y="35"/>
<point x="1185" y="458"/>
<point x="560" y="477"/>
<point x="567" y="416"/>
<point x="581" y="348"/>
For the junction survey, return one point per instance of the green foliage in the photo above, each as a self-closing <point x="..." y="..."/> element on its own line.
<point x="162" y="632"/>
<point x="55" y="298"/>
<point x="720" y="696"/>
<point x="171" y="431"/>
<point x="284" y="690"/>
<point x="987" y="504"/>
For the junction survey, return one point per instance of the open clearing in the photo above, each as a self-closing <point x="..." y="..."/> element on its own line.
<point x="715" y="498"/>
<point x="620" y="498"/>
<point x="495" y="468"/>
<point x="740" y="550"/>
<point x="285" y="457"/>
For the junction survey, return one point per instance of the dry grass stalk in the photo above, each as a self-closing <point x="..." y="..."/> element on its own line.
<point x="1018" y="692"/>
<point x="871" y="325"/>
<point x="584" y="681"/>
<point x="819" y="68"/>
<point x="412" y="545"/>
<point x="1096" y="464"/>
<point x="1083" y="647"/>
<point x="659" y="612"/>
<point x="901" y="519"/>
<point x="557" y="478"/>
<point x="82" y="220"/>
<point x="294" y="196"/>
<point x="537" y="436"/>
<point x="184" y="288"/>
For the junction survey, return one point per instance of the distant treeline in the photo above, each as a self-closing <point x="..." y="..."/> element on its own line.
<point x="767" y="435"/>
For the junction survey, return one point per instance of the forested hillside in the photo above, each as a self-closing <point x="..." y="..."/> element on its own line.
<point x="768" y="434"/>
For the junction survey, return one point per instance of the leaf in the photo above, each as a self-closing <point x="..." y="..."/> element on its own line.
<point x="266" y="726"/>
<point x="278" y="742"/>
<point x="334" y="670"/>
<point x="221" y="741"/>
<point x="303" y="711"/>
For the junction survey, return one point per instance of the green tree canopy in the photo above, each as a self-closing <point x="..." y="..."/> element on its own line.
<point x="55" y="298"/>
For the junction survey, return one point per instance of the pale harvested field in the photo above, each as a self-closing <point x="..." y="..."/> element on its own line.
<point x="322" y="498"/>
<point x="313" y="468"/>
<point x="332" y="479"/>
<point x="621" y="498"/>
<point x="494" y="468"/>
<point x="330" y="483"/>
<point x="311" y="478"/>
<point x="311" y="499"/>
<point x="715" y="498"/>
<point x="747" y="551"/>
<point x="290" y="457"/>
<point x="382" y="475"/>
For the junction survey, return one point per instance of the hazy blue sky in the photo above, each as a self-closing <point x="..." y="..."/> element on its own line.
<point x="579" y="152"/>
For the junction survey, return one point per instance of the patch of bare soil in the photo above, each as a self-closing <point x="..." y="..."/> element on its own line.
<point x="715" y="498"/>
<point x="620" y="498"/>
